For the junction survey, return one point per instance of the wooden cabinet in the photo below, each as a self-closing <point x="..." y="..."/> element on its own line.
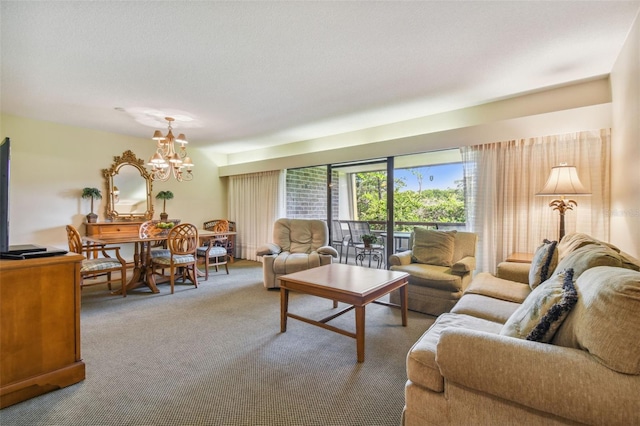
<point x="39" y="326"/>
<point x="113" y="229"/>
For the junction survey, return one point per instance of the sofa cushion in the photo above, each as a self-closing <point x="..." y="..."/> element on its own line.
<point x="544" y="263"/>
<point x="300" y="235"/>
<point x="422" y="368"/>
<point x="629" y="261"/>
<point x="433" y="247"/>
<point x="514" y="271"/>
<point x="487" y="285"/>
<point x="485" y="307"/>
<point x="543" y="310"/>
<point x="606" y="320"/>
<point x="438" y="277"/>
<point x="587" y="257"/>
<point x="288" y="263"/>
<point x="576" y="240"/>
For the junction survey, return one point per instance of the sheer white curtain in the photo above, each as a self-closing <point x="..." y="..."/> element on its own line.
<point x="255" y="202"/>
<point x="501" y="182"/>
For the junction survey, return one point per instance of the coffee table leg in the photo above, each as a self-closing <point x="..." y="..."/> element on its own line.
<point x="284" y="306"/>
<point x="360" y="332"/>
<point x="404" y="302"/>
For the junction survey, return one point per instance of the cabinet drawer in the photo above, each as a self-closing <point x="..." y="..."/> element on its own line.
<point x="113" y="229"/>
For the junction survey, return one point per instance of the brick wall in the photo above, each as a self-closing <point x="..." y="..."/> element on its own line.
<point x="307" y="193"/>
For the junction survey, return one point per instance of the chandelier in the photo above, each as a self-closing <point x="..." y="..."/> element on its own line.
<point x="167" y="161"/>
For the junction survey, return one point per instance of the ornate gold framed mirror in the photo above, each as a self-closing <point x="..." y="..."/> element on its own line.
<point x="128" y="189"/>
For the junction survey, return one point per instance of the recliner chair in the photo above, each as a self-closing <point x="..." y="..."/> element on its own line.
<point x="298" y="244"/>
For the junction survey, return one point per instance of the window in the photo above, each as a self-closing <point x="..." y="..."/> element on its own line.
<point x="428" y="188"/>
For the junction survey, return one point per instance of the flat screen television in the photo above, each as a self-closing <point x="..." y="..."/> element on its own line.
<point x="5" y="159"/>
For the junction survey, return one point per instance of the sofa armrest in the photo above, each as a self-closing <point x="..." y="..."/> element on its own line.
<point x="513" y="271"/>
<point x="328" y="250"/>
<point x="401" y="258"/>
<point x="464" y="265"/>
<point x="268" y="249"/>
<point x="566" y="382"/>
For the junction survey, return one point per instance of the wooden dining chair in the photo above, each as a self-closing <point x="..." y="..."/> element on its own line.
<point x="94" y="267"/>
<point x="214" y="252"/>
<point x="226" y="241"/>
<point x="150" y="229"/>
<point x="182" y="243"/>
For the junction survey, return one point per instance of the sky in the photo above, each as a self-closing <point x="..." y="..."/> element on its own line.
<point x="443" y="176"/>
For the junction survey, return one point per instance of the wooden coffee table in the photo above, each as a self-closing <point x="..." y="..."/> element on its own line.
<point x="355" y="285"/>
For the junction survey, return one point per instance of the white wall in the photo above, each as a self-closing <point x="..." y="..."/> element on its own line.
<point x="625" y="153"/>
<point x="577" y="107"/>
<point x="51" y="163"/>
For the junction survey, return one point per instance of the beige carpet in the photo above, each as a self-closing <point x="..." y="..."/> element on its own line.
<point x="215" y="356"/>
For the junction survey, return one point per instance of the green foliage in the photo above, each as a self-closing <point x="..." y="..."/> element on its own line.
<point x="369" y="238"/>
<point x="164" y="195"/>
<point x="428" y="205"/>
<point x="93" y="193"/>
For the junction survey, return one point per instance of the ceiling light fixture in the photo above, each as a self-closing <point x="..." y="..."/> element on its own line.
<point x="167" y="160"/>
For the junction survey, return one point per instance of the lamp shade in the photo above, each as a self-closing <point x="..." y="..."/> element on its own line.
<point x="157" y="136"/>
<point x="563" y="180"/>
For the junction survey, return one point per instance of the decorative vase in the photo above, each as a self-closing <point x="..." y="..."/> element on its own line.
<point x="92" y="218"/>
<point x="164" y="216"/>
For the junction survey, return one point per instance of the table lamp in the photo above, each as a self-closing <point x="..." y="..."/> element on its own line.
<point x="562" y="181"/>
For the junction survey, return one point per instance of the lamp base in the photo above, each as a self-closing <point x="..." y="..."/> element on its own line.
<point x="562" y="206"/>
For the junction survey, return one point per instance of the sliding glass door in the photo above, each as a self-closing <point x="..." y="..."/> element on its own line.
<point x="389" y="195"/>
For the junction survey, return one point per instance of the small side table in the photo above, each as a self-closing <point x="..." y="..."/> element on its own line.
<point x="373" y="253"/>
<point x="520" y="257"/>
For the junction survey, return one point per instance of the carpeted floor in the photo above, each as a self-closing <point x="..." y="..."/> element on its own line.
<point x="215" y="356"/>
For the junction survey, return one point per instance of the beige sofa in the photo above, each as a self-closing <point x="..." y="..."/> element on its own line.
<point x="467" y="369"/>
<point x="298" y="244"/>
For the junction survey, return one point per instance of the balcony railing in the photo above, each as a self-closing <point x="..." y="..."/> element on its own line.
<point x="380" y="225"/>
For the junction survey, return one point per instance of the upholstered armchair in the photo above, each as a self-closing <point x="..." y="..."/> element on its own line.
<point x="440" y="265"/>
<point x="298" y="244"/>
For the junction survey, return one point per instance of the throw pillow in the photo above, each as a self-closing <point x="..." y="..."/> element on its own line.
<point x="606" y="320"/>
<point x="543" y="311"/>
<point x="433" y="247"/>
<point x="544" y="262"/>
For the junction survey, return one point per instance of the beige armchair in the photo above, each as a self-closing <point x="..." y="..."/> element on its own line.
<point x="298" y="244"/>
<point x="440" y="265"/>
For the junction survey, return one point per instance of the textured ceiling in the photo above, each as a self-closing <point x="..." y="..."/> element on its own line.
<point x="254" y="74"/>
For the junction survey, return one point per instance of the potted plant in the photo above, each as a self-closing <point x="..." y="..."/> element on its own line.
<point x="369" y="239"/>
<point x="94" y="194"/>
<point x="164" y="196"/>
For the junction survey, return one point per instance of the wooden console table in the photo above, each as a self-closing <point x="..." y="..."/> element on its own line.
<point x="40" y="326"/>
